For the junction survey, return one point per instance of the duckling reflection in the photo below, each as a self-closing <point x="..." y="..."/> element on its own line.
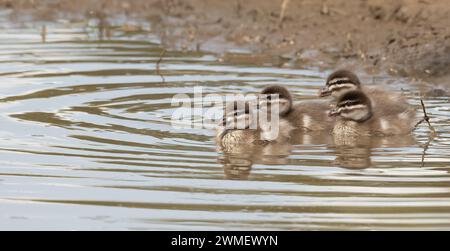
<point x="238" y="161"/>
<point x="238" y="168"/>
<point x="356" y="157"/>
<point x="357" y="153"/>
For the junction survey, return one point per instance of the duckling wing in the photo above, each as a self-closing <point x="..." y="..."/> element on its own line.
<point x="396" y="123"/>
<point x="387" y="103"/>
<point x="311" y="115"/>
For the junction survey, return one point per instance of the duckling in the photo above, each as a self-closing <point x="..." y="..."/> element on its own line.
<point x="342" y="81"/>
<point x="275" y="102"/>
<point x="237" y="126"/>
<point x="241" y="125"/>
<point x="356" y="117"/>
<point x="238" y="161"/>
<point x="303" y="116"/>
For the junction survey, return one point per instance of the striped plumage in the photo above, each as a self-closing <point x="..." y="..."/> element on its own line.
<point x="241" y="124"/>
<point x="342" y="81"/>
<point x="364" y="110"/>
<point x="356" y="117"/>
<point x="305" y="116"/>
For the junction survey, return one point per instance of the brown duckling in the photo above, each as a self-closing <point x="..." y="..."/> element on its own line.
<point x="357" y="117"/>
<point x="243" y="125"/>
<point x="342" y="81"/>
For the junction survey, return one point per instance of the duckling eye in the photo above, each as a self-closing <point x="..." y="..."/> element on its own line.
<point x="348" y="103"/>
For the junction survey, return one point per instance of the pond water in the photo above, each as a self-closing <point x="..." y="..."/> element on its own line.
<point x="86" y="143"/>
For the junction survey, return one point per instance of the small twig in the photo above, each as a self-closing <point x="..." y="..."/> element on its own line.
<point x="325" y="10"/>
<point x="159" y="62"/>
<point x="425" y="148"/>
<point x="238" y="8"/>
<point x="284" y="5"/>
<point x="430" y="137"/>
<point x="425" y="118"/>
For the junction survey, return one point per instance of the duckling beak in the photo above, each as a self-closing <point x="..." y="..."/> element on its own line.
<point x="333" y="112"/>
<point x="324" y="92"/>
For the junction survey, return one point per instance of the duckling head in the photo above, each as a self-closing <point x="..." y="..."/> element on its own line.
<point x="276" y="95"/>
<point x="339" y="82"/>
<point x="353" y="105"/>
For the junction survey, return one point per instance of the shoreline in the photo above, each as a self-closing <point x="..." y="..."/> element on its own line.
<point x="409" y="38"/>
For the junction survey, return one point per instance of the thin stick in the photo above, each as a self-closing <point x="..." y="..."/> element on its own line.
<point x="159" y="62"/>
<point x="425" y="118"/>
<point x="284" y="5"/>
<point x="431" y="136"/>
<point x="425" y="148"/>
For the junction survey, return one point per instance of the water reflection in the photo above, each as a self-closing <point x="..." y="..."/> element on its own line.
<point x="351" y="153"/>
<point x="357" y="152"/>
<point x="237" y="161"/>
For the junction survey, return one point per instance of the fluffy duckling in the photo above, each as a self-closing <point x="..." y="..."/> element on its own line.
<point x="339" y="82"/>
<point x="304" y="116"/>
<point x="238" y="126"/>
<point x="342" y="81"/>
<point x="356" y="117"/>
<point x="241" y="125"/>
<point x="276" y="103"/>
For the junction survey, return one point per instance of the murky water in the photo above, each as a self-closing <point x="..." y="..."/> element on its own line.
<point x="86" y="143"/>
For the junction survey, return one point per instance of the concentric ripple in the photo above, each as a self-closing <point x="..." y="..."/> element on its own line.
<point x="86" y="142"/>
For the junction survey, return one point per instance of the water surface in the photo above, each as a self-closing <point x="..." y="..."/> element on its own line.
<point x="86" y="143"/>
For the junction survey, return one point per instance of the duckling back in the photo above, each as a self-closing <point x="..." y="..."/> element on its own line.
<point x="253" y="124"/>
<point x="311" y="116"/>
<point x="385" y="100"/>
<point x="383" y="119"/>
<point x="236" y="138"/>
<point x="393" y="115"/>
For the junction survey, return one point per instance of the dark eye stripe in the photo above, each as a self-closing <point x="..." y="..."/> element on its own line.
<point x="349" y="109"/>
<point x="348" y="103"/>
<point x="338" y="82"/>
<point x="337" y="87"/>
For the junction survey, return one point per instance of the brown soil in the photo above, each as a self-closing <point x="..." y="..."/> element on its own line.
<point x="406" y="38"/>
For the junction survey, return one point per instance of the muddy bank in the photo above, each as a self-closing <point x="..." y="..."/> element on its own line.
<point x="403" y="38"/>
